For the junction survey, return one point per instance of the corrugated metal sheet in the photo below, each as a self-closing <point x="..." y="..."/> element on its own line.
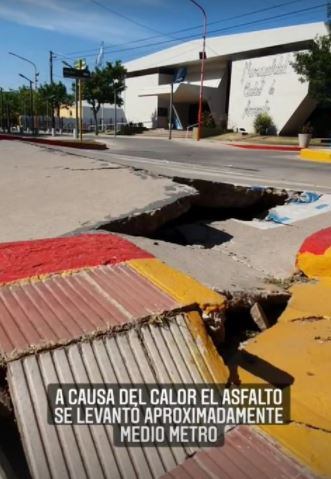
<point x="157" y="354"/>
<point x="245" y="455"/>
<point x="62" y="308"/>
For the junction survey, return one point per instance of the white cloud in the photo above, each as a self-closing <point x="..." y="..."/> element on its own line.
<point x="79" y="18"/>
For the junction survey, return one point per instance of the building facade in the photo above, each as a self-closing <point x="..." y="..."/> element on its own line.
<point x="106" y="116"/>
<point x="245" y="74"/>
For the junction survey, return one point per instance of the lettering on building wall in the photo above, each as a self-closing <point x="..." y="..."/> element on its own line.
<point x="261" y="81"/>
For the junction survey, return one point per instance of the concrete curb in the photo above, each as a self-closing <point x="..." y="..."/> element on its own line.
<point x="314" y="256"/>
<point x="299" y="347"/>
<point x="321" y="156"/>
<point x="266" y="147"/>
<point x="84" y="145"/>
<point x="39" y="259"/>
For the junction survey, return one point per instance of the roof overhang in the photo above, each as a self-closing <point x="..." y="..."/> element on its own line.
<point x="229" y="47"/>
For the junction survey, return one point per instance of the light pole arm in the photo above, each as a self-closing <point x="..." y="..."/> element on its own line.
<point x="31" y="63"/>
<point x="204" y="17"/>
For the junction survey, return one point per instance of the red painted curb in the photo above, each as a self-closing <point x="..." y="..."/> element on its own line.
<point x="68" y="143"/>
<point x="25" y="259"/>
<point x="267" y="147"/>
<point x="317" y="243"/>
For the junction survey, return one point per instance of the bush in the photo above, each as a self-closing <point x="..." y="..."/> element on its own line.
<point x="208" y="120"/>
<point x="264" y="124"/>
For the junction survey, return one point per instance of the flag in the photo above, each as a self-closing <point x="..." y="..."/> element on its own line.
<point x="99" y="59"/>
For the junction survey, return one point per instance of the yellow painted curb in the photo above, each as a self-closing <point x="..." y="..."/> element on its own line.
<point x="311" y="446"/>
<point x="179" y="286"/>
<point x="212" y="367"/>
<point x="297" y="352"/>
<point x="316" y="155"/>
<point x="309" y="300"/>
<point x="315" y="265"/>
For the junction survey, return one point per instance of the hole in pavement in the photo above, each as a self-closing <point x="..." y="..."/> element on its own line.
<point x="240" y="327"/>
<point x="11" y="446"/>
<point x="189" y="220"/>
<point x="195" y="227"/>
<point x="10" y="441"/>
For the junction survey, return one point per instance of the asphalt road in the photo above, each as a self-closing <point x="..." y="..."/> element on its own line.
<point x="215" y="161"/>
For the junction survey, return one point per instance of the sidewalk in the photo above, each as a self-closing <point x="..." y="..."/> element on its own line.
<point x="94" y="309"/>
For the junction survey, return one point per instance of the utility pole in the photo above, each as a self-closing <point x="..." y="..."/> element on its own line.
<point x="31" y="103"/>
<point x="76" y="108"/>
<point x="1" y="92"/>
<point x="80" y="105"/>
<point x="51" y="80"/>
<point x="115" y="111"/>
<point x="171" y="108"/>
<point x="203" y="57"/>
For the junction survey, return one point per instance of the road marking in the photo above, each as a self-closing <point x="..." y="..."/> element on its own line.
<point x="207" y="170"/>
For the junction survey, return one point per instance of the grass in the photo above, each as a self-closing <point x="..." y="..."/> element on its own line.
<point x="263" y="140"/>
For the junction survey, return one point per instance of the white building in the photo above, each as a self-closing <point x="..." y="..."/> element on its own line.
<point x="246" y="74"/>
<point x="106" y="116"/>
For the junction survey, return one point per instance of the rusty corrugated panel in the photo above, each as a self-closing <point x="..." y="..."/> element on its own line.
<point x="245" y="454"/>
<point x="154" y="354"/>
<point x="62" y="308"/>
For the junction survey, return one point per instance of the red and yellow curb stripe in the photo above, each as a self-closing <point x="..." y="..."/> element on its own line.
<point x="184" y="289"/>
<point x="299" y="347"/>
<point x="41" y="258"/>
<point x="321" y="156"/>
<point x="314" y="256"/>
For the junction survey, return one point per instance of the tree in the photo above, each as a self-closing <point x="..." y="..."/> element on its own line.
<point x="314" y="66"/>
<point x="104" y="86"/>
<point x="56" y="95"/>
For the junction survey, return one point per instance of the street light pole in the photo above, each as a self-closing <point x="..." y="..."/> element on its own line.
<point x="115" y="86"/>
<point x="36" y="74"/>
<point x="31" y="101"/>
<point x="76" y="100"/>
<point x="1" y="92"/>
<point x="115" y="112"/>
<point x="51" y="57"/>
<point x="171" y="107"/>
<point x="202" y="65"/>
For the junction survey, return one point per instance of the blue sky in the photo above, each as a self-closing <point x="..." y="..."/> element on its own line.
<point x="75" y="28"/>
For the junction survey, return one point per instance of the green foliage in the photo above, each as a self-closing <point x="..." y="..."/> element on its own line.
<point x="314" y="66"/>
<point x="264" y="124"/>
<point x="208" y="120"/>
<point x="100" y="88"/>
<point x="307" y="128"/>
<point x="56" y="94"/>
<point x="132" y="129"/>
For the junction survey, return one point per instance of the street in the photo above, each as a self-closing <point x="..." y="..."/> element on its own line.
<point x="54" y="191"/>
<point x="218" y="162"/>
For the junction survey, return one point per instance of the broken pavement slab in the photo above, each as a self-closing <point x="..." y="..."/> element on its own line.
<point x="308" y="300"/>
<point x="85" y="286"/>
<point x="163" y="353"/>
<point x="296" y="352"/>
<point x="76" y="320"/>
<point x="181" y="287"/>
<point x="47" y="193"/>
<point x="245" y="454"/>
